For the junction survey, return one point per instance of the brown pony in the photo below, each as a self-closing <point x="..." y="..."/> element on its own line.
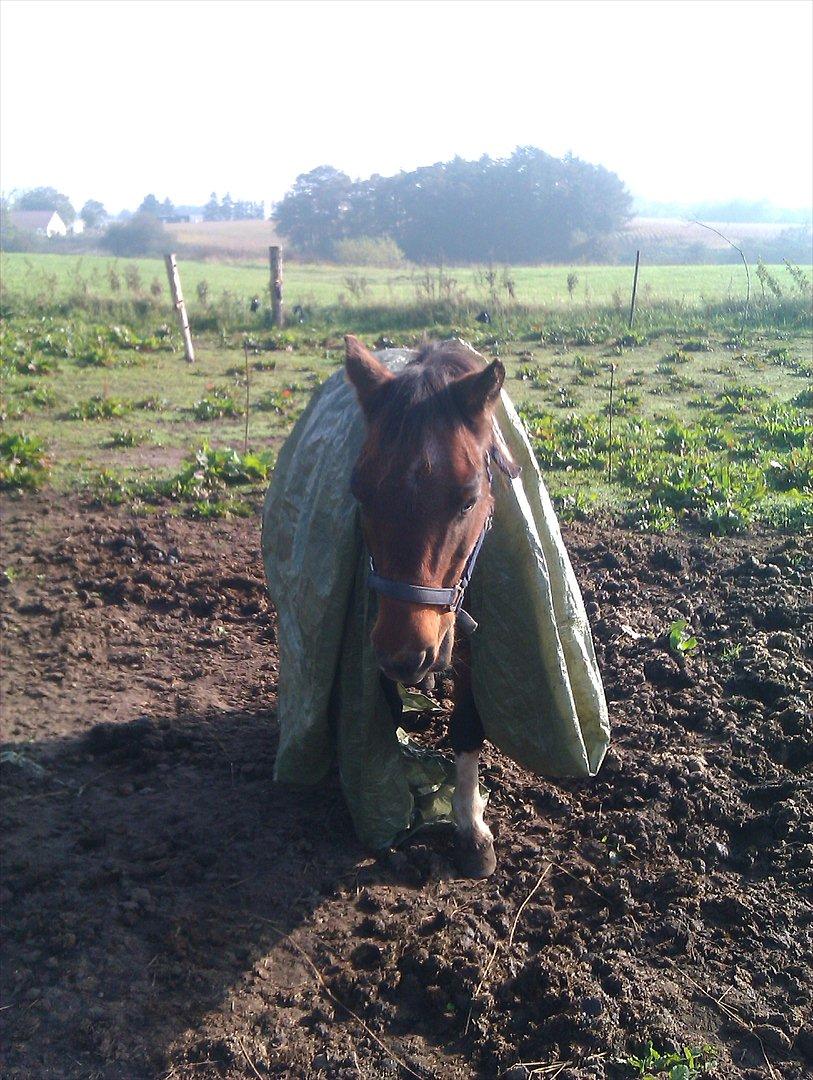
<point x="423" y="481"/>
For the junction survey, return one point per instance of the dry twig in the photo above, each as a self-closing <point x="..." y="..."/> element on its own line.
<point x="251" y="1064"/>
<point x="337" y="1001"/>
<point x="729" y="1012"/>
<point x="496" y="948"/>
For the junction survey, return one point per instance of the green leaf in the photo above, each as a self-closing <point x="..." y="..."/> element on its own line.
<point x="414" y="701"/>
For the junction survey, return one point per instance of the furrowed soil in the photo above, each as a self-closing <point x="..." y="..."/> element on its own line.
<point x="169" y="912"/>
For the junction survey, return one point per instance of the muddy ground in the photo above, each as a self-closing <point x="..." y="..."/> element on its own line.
<point x="168" y="912"/>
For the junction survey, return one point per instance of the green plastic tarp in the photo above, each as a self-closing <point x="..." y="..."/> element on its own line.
<point x="535" y="678"/>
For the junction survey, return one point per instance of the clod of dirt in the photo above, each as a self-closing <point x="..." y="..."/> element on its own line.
<point x="367" y="955"/>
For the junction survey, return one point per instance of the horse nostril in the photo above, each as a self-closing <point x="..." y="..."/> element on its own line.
<point x="405" y="667"/>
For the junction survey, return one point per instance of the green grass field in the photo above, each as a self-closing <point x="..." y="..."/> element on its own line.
<point x="711" y="413"/>
<point x="323" y="285"/>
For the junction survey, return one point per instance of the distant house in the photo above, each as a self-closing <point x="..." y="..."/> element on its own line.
<point x="40" y="222"/>
<point x="182" y="215"/>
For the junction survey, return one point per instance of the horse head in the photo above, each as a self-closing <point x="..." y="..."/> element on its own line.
<point x="423" y="482"/>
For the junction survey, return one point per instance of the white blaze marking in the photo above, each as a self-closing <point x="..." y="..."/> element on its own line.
<point x="467" y="802"/>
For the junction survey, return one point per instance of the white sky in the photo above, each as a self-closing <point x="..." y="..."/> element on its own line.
<point x="686" y="100"/>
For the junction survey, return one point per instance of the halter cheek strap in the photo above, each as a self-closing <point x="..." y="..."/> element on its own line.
<point x="424" y="594"/>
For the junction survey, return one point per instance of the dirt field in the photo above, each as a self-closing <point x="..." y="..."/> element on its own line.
<point x="169" y="912"/>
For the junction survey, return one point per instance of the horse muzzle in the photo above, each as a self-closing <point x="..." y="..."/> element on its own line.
<point x="408" y="668"/>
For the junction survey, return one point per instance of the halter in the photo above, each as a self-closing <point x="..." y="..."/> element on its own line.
<point x="424" y="594"/>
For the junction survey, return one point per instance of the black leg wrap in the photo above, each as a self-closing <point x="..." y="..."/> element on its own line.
<point x="465" y="727"/>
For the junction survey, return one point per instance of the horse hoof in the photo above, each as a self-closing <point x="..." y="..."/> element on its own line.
<point x="475" y="857"/>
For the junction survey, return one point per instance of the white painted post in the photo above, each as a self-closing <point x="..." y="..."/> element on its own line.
<point x="180" y="306"/>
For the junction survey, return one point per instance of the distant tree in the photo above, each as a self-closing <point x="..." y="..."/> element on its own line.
<point x="245" y="210"/>
<point x="227" y="209"/>
<point x="143" y="234"/>
<point x="46" y="198"/>
<point x="93" y="214"/>
<point x="529" y="207"/>
<point x="211" y="211"/>
<point x="316" y="211"/>
<point x="149" y="205"/>
<point x="11" y="239"/>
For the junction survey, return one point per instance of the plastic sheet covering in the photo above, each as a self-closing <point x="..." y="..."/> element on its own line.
<point x="535" y="678"/>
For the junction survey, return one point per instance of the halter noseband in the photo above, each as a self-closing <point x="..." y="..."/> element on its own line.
<point x="424" y="594"/>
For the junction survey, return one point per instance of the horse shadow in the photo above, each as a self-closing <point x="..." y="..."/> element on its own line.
<point x="150" y="868"/>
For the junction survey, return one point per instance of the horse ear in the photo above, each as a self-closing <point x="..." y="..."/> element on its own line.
<point x="500" y="454"/>
<point x="477" y="393"/>
<point x="365" y="371"/>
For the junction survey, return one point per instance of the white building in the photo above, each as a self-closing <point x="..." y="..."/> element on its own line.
<point x="40" y="222"/>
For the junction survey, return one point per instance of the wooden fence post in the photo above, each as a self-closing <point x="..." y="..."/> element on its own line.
<point x="634" y="288"/>
<point x="275" y="263"/>
<point x="180" y="306"/>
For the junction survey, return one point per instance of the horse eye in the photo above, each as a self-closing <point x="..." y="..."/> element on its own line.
<point x="469" y="506"/>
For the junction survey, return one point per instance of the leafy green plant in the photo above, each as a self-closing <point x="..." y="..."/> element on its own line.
<point x="44" y="397"/>
<point x="587" y="366"/>
<point x="152" y="404"/>
<point x="97" y="354"/>
<point x="534" y="374"/>
<point x="98" y="407"/>
<point x="124" y="337"/>
<point x="36" y="364"/>
<point x="215" y="405"/>
<point x="22" y="464"/>
<point x="651" y="517"/>
<point x="624" y="404"/>
<point x="565" y="399"/>
<point x="203" y="510"/>
<point x="202" y="481"/>
<point x="211" y="470"/>
<point x="678" y="356"/>
<point x="278" y="401"/>
<point x="632" y="339"/>
<point x="126" y="437"/>
<point x="739" y="397"/>
<point x="794" y="513"/>
<point x="575" y="505"/>
<point x="680" y="640"/>
<point x="794" y="471"/>
<point x="800" y="278"/>
<point x="108" y="489"/>
<point x="688" y="1063"/>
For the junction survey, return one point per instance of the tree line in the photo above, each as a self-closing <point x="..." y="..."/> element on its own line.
<point x="526" y="208"/>
<point x="132" y="233"/>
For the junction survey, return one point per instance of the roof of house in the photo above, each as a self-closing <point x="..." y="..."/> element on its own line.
<point x="32" y="219"/>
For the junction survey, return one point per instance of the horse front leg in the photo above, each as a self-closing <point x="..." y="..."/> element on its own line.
<point x="474" y="843"/>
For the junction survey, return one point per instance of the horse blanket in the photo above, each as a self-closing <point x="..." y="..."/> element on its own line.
<point x="535" y="678"/>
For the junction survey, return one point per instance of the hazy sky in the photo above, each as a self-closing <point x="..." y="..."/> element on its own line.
<point x="686" y="100"/>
